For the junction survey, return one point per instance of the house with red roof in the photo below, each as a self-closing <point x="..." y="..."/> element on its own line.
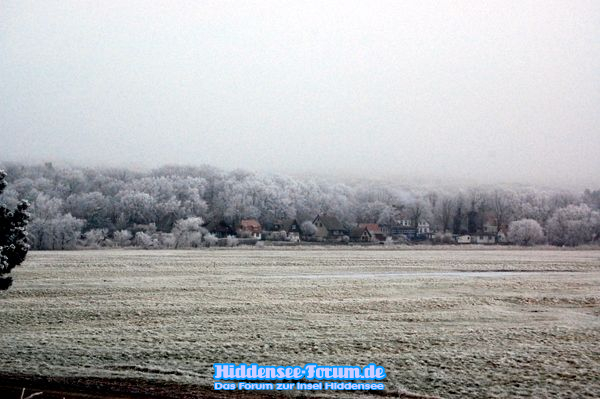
<point x="249" y="228"/>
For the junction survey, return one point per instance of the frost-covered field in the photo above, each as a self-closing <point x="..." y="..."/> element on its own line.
<point x="532" y="331"/>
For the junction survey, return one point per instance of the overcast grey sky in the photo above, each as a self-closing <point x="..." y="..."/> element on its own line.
<point x="492" y="91"/>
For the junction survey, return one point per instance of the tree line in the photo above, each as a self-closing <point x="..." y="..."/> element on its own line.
<point x="167" y="206"/>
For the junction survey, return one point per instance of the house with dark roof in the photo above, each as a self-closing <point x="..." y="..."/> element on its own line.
<point x="291" y="228"/>
<point x="403" y="225"/>
<point x="400" y="228"/>
<point x="485" y="231"/>
<point x="329" y="228"/>
<point x="367" y="232"/>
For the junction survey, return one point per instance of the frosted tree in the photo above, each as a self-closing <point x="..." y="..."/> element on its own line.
<point x="443" y="238"/>
<point x="210" y="240"/>
<point x="58" y="232"/>
<point x="592" y="198"/>
<point x="502" y="204"/>
<point x="419" y="212"/>
<point x="167" y="240"/>
<point x="340" y="202"/>
<point x="144" y="240"/>
<point x="386" y="216"/>
<point x="308" y="228"/>
<point x="443" y="213"/>
<point x="44" y="211"/>
<point x="562" y="199"/>
<point x="167" y="212"/>
<point x="93" y="207"/>
<point x="573" y="225"/>
<point x="241" y="195"/>
<point x="373" y="211"/>
<point x="122" y="238"/>
<point x="65" y="231"/>
<point x="95" y="238"/>
<point x="275" y="203"/>
<point x="232" y="241"/>
<point x="534" y="205"/>
<point x="137" y="207"/>
<point x="188" y="232"/>
<point x="13" y="237"/>
<point x="525" y="232"/>
<point x="71" y="181"/>
<point x="457" y="221"/>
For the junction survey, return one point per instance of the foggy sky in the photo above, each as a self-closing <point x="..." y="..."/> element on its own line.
<point x="491" y="91"/>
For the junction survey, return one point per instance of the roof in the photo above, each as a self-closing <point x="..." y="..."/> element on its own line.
<point x="330" y="222"/>
<point x="249" y="224"/>
<point x="373" y="228"/>
<point x="286" y="224"/>
<point x="357" y="232"/>
<point x="489" y="218"/>
<point x="380" y="236"/>
<point x="403" y="214"/>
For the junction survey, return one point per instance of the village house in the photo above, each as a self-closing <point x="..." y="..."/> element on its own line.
<point x="489" y="235"/>
<point x="374" y="231"/>
<point x="359" y="234"/>
<point x="490" y="232"/>
<point x="367" y="232"/>
<point x="291" y="227"/>
<point x="481" y="229"/>
<point x="401" y="229"/>
<point x="329" y="228"/>
<point x="249" y="228"/>
<point x="404" y="220"/>
<point x="490" y="228"/>
<point x="501" y="236"/>
<point x="489" y="225"/>
<point x="423" y="229"/>
<point x="483" y="238"/>
<point x="463" y="239"/>
<point x="402" y="226"/>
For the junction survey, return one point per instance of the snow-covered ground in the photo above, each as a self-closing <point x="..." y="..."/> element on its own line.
<point x="454" y="323"/>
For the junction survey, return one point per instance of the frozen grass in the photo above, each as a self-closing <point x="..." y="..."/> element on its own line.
<point x="171" y="314"/>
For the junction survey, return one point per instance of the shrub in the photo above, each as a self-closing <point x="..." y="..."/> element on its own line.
<point x="525" y="232"/>
<point x="232" y="241"/>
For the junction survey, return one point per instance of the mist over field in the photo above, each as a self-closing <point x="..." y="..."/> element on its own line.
<point x="467" y="91"/>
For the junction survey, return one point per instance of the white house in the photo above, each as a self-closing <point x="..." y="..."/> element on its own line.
<point x="482" y="238"/>
<point x="423" y="228"/>
<point x="463" y="239"/>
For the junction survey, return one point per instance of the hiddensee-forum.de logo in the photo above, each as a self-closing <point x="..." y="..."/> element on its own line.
<point x="327" y="377"/>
